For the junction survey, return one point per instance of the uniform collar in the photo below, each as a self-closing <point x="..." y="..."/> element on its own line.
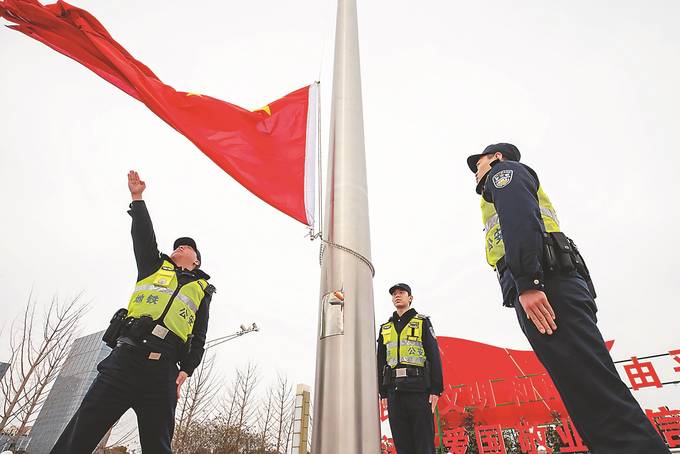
<point x="408" y="315"/>
<point x="197" y="273"/>
<point x="480" y="186"/>
<point x="482" y="182"/>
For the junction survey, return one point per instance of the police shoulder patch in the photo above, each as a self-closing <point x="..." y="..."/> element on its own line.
<point x="502" y="178"/>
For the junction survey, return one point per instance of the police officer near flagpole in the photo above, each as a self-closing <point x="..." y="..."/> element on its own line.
<point x="164" y="326"/>
<point x="409" y="374"/>
<point x="543" y="276"/>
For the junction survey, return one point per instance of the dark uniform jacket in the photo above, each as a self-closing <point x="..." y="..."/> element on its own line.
<point x="149" y="259"/>
<point x="413" y="384"/>
<point x="521" y="225"/>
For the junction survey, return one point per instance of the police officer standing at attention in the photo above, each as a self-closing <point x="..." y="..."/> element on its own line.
<point x="409" y="374"/>
<point x="543" y="276"/>
<point x="164" y="325"/>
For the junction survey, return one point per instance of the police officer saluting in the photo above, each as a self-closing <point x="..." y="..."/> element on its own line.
<point x="543" y="276"/>
<point x="410" y="374"/>
<point x="165" y="325"/>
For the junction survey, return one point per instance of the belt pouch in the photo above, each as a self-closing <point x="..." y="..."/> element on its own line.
<point x="549" y="255"/>
<point x="141" y="327"/>
<point x="564" y="251"/>
<point x="115" y="327"/>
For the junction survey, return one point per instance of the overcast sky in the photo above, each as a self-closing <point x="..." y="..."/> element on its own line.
<point x="588" y="91"/>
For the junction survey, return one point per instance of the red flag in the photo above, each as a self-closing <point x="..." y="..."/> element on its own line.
<point x="270" y="151"/>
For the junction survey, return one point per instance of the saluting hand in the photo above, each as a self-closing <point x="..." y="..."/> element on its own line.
<point x="135" y="185"/>
<point x="539" y="310"/>
<point x="181" y="377"/>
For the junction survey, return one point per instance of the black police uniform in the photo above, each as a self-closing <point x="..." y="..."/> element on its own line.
<point x="603" y="410"/>
<point x="410" y="413"/>
<point x="128" y="378"/>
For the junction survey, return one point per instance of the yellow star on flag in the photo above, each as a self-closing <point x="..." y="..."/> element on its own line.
<point x="265" y="109"/>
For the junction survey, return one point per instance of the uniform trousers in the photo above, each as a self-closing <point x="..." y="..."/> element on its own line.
<point x="602" y="407"/>
<point x="126" y="379"/>
<point x="411" y="421"/>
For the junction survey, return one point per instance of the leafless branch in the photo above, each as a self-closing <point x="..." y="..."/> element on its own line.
<point x="284" y="412"/>
<point x="195" y="403"/>
<point x="35" y="363"/>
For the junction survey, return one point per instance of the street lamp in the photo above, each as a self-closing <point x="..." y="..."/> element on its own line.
<point x="220" y="340"/>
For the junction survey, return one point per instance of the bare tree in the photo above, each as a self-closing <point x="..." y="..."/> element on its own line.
<point x="232" y="430"/>
<point x="195" y="405"/>
<point x="245" y="409"/>
<point x="123" y="438"/>
<point x="59" y="330"/>
<point x="284" y="413"/>
<point x="36" y="361"/>
<point x="242" y="424"/>
<point x="229" y="404"/>
<point x="19" y="347"/>
<point x="266" y="420"/>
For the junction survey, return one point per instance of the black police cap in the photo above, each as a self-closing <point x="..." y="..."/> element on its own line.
<point x="186" y="241"/>
<point x="401" y="286"/>
<point x="508" y="150"/>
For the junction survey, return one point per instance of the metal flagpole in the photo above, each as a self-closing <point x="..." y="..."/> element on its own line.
<point x="346" y="392"/>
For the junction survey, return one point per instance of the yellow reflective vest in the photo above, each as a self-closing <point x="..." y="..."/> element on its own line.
<point x="405" y="348"/>
<point x="495" y="249"/>
<point x="155" y="293"/>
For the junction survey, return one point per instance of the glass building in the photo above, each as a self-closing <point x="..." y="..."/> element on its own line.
<point x="70" y="386"/>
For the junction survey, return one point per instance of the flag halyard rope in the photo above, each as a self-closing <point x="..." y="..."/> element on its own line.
<point x="350" y="251"/>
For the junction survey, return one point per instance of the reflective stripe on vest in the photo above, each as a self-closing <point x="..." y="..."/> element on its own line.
<point x="152" y="295"/>
<point x="545" y="212"/>
<point x="405" y="348"/>
<point x="494" y="247"/>
<point x="185" y="299"/>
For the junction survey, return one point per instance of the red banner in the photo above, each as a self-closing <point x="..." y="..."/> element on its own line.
<point x="498" y="385"/>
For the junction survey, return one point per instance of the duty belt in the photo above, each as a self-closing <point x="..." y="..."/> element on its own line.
<point x="560" y="255"/>
<point x="139" y="328"/>
<point x="143" y="329"/>
<point x="125" y="343"/>
<point x="401" y="372"/>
